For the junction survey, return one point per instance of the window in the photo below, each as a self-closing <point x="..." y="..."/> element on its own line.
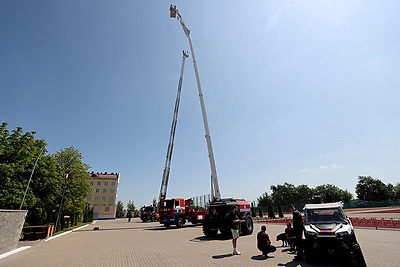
<point x="91" y="183"/>
<point x="89" y="198"/>
<point x="105" y="183"/>
<point x="103" y="198"/>
<point x="112" y="183"/>
<point x="111" y="198"/>
<point x="97" y="190"/>
<point x="104" y="190"/>
<point x="111" y="190"/>
<point x="99" y="183"/>
<point x="96" y="198"/>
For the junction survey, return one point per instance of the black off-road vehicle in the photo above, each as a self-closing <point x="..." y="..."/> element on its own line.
<point x="328" y="231"/>
<point x="215" y="220"/>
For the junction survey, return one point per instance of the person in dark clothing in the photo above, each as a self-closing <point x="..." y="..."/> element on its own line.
<point x="264" y="243"/>
<point x="234" y="220"/>
<point x="290" y="235"/>
<point x="298" y="230"/>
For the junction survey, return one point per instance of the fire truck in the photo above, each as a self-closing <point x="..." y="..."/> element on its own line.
<point x="178" y="211"/>
<point x="148" y="213"/>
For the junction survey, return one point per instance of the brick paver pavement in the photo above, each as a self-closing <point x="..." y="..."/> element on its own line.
<point x="119" y="243"/>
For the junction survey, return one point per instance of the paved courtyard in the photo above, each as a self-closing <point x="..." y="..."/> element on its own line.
<point x="119" y="243"/>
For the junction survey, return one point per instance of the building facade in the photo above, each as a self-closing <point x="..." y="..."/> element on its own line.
<point x="103" y="198"/>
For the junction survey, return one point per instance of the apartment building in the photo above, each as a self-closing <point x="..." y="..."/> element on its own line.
<point x="103" y="198"/>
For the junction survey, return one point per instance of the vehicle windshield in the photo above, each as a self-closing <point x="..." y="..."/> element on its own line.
<point x="167" y="204"/>
<point x="324" y="216"/>
<point x="146" y="209"/>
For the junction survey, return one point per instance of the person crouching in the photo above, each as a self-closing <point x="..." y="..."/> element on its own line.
<point x="264" y="243"/>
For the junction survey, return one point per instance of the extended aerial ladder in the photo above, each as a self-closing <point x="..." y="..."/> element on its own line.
<point x="165" y="178"/>
<point x="215" y="193"/>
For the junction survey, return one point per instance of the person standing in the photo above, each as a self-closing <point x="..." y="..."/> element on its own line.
<point x="264" y="243"/>
<point x="298" y="230"/>
<point x="290" y="235"/>
<point x="234" y="220"/>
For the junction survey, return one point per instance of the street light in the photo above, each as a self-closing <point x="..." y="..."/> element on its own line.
<point x="62" y="199"/>
<point x="30" y="178"/>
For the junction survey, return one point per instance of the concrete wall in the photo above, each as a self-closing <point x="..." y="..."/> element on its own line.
<point x="11" y="223"/>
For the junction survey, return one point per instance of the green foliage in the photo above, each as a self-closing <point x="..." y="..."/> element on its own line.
<point x="271" y="214"/>
<point x="396" y="191"/>
<point x="18" y="153"/>
<point x="330" y="193"/>
<point x="264" y="200"/>
<point x="280" y="212"/>
<point x="370" y="189"/>
<point x="287" y="193"/>
<point x="131" y="208"/>
<point x="120" y="209"/>
<point x="73" y="180"/>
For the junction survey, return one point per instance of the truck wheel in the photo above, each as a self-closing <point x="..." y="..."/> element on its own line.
<point x="180" y="222"/>
<point x="167" y="225"/>
<point x="209" y="227"/>
<point x="247" y="225"/>
<point x="225" y="231"/>
<point x="143" y="220"/>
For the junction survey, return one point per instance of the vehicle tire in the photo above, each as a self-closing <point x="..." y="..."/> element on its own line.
<point x="210" y="228"/>
<point x="167" y="225"/>
<point x="144" y="220"/>
<point x="358" y="255"/>
<point x="180" y="222"/>
<point x="247" y="226"/>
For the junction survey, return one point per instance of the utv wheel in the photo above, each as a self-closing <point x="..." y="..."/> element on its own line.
<point x="358" y="255"/>
<point x="247" y="225"/>
<point x="167" y="225"/>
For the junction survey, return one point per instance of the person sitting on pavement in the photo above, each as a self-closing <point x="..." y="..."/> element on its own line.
<point x="264" y="243"/>
<point x="290" y="235"/>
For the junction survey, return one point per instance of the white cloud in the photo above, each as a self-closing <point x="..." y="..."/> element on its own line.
<point x="330" y="167"/>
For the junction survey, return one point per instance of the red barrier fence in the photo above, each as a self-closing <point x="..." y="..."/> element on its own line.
<point x="357" y="222"/>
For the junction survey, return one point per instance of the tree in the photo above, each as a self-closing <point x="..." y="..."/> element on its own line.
<point x="283" y="194"/>
<point x="271" y="214"/>
<point x="331" y="193"/>
<point x="130" y="207"/>
<point x="120" y="209"/>
<point x="370" y="189"/>
<point x="73" y="181"/>
<point x="264" y="200"/>
<point x="396" y="191"/>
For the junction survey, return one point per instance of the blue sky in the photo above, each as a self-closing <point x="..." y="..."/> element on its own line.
<point x="304" y="92"/>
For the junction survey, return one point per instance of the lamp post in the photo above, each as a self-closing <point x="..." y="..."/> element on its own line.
<point x="62" y="199"/>
<point x="30" y="178"/>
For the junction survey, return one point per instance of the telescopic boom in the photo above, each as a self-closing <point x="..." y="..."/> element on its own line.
<point x="165" y="178"/>
<point x="216" y="195"/>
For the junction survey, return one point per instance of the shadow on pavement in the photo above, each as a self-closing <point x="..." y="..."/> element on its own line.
<point x="222" y="256"/>
<point x="205" y="238"/>
<point x="261" y="257"/>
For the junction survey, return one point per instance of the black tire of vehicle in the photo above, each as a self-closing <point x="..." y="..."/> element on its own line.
<point x="247" y="226"/>
<point x="225" y="230"/>
<point x="180" y="222"/>
<point x="144" y="220"/>
<point x="167" y="225"/>
<point x="358" y="255"/>
<point x="209" y="227"/>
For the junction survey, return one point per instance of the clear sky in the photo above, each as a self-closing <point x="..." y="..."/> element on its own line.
<point x="304" y="92"/>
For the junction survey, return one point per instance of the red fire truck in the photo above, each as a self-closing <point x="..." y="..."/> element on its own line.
<point x="147" y="213"/>
<point x="178" y="211"/>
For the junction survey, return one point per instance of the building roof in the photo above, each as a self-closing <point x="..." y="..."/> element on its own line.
<point x="104" y="175"/>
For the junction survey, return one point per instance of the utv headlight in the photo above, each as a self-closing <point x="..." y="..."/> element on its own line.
<point x="312" y="233"/>
<point x="342" y="234"/>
